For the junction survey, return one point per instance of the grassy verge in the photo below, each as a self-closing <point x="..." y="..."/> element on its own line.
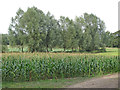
<point x="53" y="83"/>
<point x="110" y="52"/>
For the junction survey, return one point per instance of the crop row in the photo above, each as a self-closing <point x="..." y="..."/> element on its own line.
<point x="17" y="69"/>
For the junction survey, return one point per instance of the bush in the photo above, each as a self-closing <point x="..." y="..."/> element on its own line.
<point x="3" y="48"/>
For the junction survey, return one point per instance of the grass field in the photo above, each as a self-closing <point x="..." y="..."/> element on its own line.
<point x="54" y="83"/>
<point x="110" y="52"/>
<point x="16" y="49"/>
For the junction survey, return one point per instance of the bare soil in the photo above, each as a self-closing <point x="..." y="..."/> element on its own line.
<point x="107" y="81"/>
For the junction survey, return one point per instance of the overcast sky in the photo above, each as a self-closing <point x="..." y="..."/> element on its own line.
<point x="106" y="10"/>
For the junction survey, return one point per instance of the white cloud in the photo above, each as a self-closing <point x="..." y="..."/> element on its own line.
<point x="107" y="10"/>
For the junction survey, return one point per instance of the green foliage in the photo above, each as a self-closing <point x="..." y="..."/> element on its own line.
<point x="42" y="32"/>
<point x="94" y="27"/>
<point x="79" y="23"/>
<point x="17" y="36"/>
<point x="112" y="39"/>
<point x="3" y="43"/>
<point x="51" y="31"/>
<point x="35" y="68"/>
<point x="4" y="48"/>
<point x="73" y="35"/>
<point x="65" y="42"/>
<point x="30" y="22"/>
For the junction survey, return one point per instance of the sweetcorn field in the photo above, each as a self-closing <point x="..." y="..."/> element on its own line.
<point x="40" y="66"/>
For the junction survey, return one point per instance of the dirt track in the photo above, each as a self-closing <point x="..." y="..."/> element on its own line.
<point x="107" y="81"/>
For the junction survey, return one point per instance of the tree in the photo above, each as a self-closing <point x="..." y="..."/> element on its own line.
<point x="116" y="38"/>
<point x="101" y="33"/>
<point x="95" y="27"/>
<point x="79" y="27"/>
<point x="55" y="34"/>
<point x="42" y="32"/>
<point x="64" y="32"/>
<point x="4" y="42"/>
<point x="33" y="24"/>
<point x="87" y="41"/>
<point x="111" y="39"/>
<point x="51" y="34"/>
<point x="16" y="32"/>
<point x="72" y="34"/>
<point x="106" y="39"/>
<point x="58" y="35"/>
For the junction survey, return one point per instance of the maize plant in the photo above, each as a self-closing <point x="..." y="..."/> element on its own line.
<point x="29" y="69"/>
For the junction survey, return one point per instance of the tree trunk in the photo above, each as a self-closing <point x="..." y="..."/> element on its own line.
<point x="72" y="49"/>
<point x="22" y="49"/>
<point x="47" y="48"/>
<point x="33" y="50"/>
<point x="2" y="51"/>
<point x="64" y="49"/>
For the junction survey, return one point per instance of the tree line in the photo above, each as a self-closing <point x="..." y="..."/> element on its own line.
<point x="42" y="32"/>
